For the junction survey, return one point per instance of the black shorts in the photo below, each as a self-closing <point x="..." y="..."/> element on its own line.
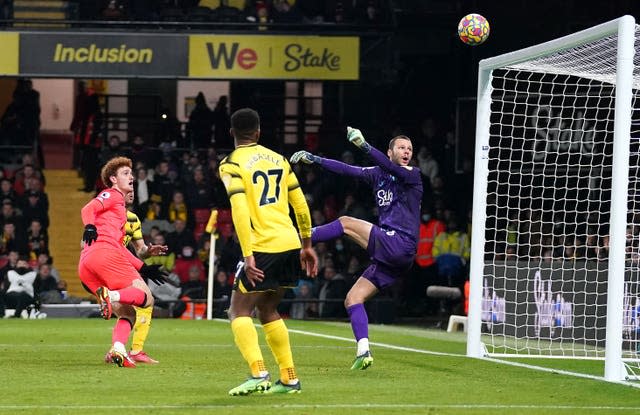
<point x="280" y="269"/>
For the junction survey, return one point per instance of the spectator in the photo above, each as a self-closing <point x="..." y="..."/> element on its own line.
<point x="451" y="250"/>
<point x="180" y="237"/>
<point x="222" y="125"/>
<point x="86" y="128"/>
<point x="301" y="309"/>
<point x="25" y="177"/>
<point x="44" y="258"/>
<point x="12" y="239"/>
<point x="37" y="239"/>
<point x="20" y="292"/>
<point x="425" y="270"/>
<point x="7" y="191"/>
<point x="178" y="209"/>
<point x="12" y="263"/>
<point x="113" y="10"/>
<point x="221" y="293"/>
<point x="164" y="182"/>
<point x="46" y="286"/>
<point x="114" y="148"/>
<point x="36" y="207"/>
<point x="169" y="303"/>
<point x="194" y="287"/>
<point x="229" y="251"/>
<point x="144" y="190"/>
<point x="429" y="166"/>
<point x="185" y="262"/>
<point x="199" y="127"/>
<point x="199" y="194"/>
<point x="332" y="287"/>
<point x="10" y="214"/>
<point x="140" y="153"/>
<point x="155" y="211"/>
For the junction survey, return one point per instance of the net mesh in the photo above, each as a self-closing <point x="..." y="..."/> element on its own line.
<point x="548" y="202"/>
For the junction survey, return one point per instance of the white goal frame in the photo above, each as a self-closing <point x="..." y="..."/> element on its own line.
<point x="625" y="28"/>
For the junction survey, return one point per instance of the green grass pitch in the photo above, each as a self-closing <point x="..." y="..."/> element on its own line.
<point x="55" y="366"/>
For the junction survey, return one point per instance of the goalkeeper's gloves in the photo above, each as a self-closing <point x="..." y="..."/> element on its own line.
<point x="154" y="273"/>
<point x="90" y="234"/>
<point x="305" y="157"/>
<point x="356" y="138"/>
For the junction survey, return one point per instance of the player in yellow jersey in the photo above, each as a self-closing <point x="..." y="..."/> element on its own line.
<point x="133" y="236"/>
<point x="261" y="186"/>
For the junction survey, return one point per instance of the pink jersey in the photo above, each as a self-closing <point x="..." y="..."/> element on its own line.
<point x="108" y="213"/>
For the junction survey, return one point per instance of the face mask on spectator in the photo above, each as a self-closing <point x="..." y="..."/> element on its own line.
<point x="426" y="217"/>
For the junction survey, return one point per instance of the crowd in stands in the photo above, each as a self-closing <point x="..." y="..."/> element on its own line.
<point x="245" y="11"/>
<point x="176" y="190"/>
<point x="27" y="274"/>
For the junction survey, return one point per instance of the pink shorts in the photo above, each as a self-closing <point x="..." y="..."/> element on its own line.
<point x="108" y="267"/>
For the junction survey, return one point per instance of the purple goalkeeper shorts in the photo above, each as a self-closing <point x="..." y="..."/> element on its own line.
<point x="392" y="255"/>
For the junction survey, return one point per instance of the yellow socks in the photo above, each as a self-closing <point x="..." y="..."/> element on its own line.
<point x="246" y="338"/>
<point x="277" y="337"/>
<point x="141" y="328"/>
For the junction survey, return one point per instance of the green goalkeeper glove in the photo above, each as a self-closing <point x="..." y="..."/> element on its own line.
<point x="305" y="157"/>
<point x="356" y="138"/>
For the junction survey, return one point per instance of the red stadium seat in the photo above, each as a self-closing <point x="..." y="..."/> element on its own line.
<point x="224" y="216"/>
<point x="201" y="215"/>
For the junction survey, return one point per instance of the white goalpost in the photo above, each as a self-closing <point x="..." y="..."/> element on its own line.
<point x="555" y="251"/>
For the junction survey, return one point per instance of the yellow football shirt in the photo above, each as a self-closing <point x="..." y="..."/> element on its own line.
<point x="132" y="229"/>
<point x="261" y="185"/>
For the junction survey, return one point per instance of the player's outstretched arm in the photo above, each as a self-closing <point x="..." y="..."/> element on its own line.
<point x="356" y="138"/>
<point x="333" y="166"/>
<point x="305" y="157"/>
<point x="408" y="174"/>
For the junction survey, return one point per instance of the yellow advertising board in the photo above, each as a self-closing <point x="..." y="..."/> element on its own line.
<point x="274" y="57"/>
<point x="10" y="53"/>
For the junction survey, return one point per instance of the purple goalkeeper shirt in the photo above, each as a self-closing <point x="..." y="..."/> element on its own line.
<point x="397" y="191"/>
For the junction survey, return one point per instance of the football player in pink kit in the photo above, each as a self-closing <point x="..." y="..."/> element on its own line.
<point x="109" y="270"/>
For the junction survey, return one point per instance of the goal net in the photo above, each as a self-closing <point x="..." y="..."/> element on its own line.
<point x="555" y="264"/>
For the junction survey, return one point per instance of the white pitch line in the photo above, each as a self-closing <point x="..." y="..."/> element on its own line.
<point x="327" y="406"/>
<point x="385" y="345"/>
<point x="506" y="362"/>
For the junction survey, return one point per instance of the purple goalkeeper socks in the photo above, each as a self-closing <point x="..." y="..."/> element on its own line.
<point x="359" y="321"/>
<point x="331" y="230"/>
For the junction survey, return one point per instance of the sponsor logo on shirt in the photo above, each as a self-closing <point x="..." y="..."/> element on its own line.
<point x="385" y="197"/>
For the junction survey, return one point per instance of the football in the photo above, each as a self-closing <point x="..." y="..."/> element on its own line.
<point x="473" y="29"/>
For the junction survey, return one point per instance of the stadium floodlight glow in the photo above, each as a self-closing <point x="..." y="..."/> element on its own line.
<point x="557" y="182"/>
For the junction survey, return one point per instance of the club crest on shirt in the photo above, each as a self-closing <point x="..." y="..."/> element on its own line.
<point x="385" y="197"/>
<point x="104" y="195"/>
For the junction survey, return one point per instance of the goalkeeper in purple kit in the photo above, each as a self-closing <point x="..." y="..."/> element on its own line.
<point x="397" y="188"/>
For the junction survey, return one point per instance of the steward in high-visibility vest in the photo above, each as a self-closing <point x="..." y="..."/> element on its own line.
<point x="429" y="229"/>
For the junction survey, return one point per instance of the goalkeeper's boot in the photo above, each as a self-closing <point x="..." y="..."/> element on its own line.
<point x="251" y="385"/>
<point x="363" y="361"/>
<point x="104" y="302"/>
<point x="142" y="357"/>
<point x="121" y="358"/>
<point x="280" y="387"/>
